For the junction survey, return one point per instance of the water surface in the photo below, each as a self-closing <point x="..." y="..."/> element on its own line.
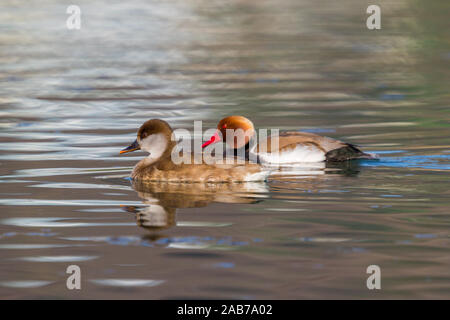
<point x="70" y="100"/>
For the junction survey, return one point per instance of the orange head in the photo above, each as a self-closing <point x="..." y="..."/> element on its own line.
<point x="236" y="131"/>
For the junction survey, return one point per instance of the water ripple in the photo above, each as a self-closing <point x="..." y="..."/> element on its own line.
<point x="25" y="284"/>
<point x="58" y="258"/>
<point x="128" y="282"/>
<point x="55" y="222"/>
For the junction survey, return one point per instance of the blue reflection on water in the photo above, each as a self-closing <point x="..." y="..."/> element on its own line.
<point x="392" y="97"/>
<point x="425" y="236"/>
<point x="226" y="265"/>
<point x="441" y="162"/>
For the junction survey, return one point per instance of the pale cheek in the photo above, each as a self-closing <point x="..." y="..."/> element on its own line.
<point x="146" y="144"/>
<point x="155" y="144"/>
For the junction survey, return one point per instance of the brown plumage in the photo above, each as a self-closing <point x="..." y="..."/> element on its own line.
<point x="155" y="137"/>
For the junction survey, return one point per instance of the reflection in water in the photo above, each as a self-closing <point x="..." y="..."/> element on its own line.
<point x="304" y="170"/>
<point x="25" y="284"/>
<point x="58" y="258"/>
<point x="128" y="282"/>
<point x="161" y="199"/>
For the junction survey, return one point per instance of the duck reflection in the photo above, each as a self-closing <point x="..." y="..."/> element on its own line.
<point x="315" y="169"/>
<point x="162" y="199"/>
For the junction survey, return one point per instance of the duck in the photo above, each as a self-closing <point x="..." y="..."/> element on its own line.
<point x="293" y="146"/>
<point x="155" y="137"/>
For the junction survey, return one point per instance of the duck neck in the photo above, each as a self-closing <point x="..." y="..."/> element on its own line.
<point x="243" y="151"/>
<point x="149" y="162"/>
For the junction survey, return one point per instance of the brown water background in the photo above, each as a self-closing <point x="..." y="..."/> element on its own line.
<point x="71" y="99"/>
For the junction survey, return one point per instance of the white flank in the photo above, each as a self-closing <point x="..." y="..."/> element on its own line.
<point x="300" y="153"/>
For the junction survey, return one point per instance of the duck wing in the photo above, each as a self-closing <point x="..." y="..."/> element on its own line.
<point x="333" y="149"/>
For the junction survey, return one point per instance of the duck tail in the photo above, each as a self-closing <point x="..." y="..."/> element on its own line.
<point x="349" y="152"/>
<point x="369" y="156"/>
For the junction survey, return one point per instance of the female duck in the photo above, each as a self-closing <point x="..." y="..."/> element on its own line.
<point x="154" y="137"/>
<point x="291" y="147"/>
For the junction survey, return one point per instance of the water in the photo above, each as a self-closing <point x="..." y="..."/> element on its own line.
<point x="70" y="100"/>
